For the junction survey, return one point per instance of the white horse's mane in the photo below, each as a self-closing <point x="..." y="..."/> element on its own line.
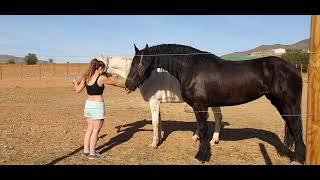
<point x="118" y="65"/>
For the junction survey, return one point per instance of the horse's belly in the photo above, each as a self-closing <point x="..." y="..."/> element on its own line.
<point x="234" y="98"/>
<point x="232" y="92"/>
<point x="167" y="96"/>
<point x="232" y="101"/>
<point x="162" y="86"/>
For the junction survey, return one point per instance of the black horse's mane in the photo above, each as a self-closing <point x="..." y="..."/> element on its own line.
<point x="182" y="57"/>
<point x="174" y="49"/>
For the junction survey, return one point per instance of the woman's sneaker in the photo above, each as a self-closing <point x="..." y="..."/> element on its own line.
<point x="84" y="154"/>
<point x="96" y="155"/>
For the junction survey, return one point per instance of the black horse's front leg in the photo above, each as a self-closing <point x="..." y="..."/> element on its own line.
<point x="204" y="152"/>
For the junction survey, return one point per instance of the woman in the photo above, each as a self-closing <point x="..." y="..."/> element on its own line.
<point x="94" y="107"/>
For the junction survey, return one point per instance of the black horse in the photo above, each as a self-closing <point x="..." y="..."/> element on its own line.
<point x="208" y="81"/>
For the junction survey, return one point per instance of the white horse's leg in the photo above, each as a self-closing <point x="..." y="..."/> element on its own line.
<point x="155" y="107"/>
<point x="218" y="119"/>
<point x="160" y="133"/>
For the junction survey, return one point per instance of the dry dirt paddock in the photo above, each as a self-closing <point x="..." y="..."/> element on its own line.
<point x="42" y="123"/>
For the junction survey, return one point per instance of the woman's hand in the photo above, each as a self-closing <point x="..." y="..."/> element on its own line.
<point x="78" y="86"/>
<point x="74" y="81"/>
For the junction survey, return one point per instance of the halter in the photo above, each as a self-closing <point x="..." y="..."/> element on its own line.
<point x="139" y="69"/>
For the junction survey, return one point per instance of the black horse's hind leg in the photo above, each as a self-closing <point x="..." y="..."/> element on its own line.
<point x="291" y="112"/>
<point x="204" y="152"/>
<point x="294" y="126"/>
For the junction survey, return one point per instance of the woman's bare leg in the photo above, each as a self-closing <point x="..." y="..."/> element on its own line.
<point x="96" y="126"/>
<point x="87" y="135"/>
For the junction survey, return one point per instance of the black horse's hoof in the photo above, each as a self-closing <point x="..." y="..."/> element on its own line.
<point x="204" y="153"/>
<point x="198" y="161"/>
<point x="295" y="163"/>
<point x="300" y="160"/>
<point x="203" y="157"/>
<point x="294" y="159"/>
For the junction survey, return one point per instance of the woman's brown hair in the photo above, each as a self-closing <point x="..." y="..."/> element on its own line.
<point x="94" y="65"/>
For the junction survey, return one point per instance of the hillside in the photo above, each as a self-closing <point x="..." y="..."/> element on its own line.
<point x="18" y="60"/>
<point x="266" y="50"/>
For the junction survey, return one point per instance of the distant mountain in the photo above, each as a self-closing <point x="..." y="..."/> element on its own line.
<point x="266" y="50"/>
<point x="18" y="60"/>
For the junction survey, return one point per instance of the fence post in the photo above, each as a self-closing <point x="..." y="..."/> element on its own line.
<point x="21" y="71"/>
<point x="67" y="69"/>
<point x="296" y="66"/>
<point x="313" y="101"/>
<point x="54" y="69"/>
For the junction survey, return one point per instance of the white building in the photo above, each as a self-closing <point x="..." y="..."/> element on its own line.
<point x="279" y="51"/>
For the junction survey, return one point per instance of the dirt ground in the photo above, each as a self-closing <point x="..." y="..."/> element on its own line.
<point x="42" y="123"/>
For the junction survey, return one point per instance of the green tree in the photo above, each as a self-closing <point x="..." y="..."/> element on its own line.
<point x="11" y="61"/>
<point x="31" y="59"/>
<point x="50" y="60"/>
<point x="297" y="57"/>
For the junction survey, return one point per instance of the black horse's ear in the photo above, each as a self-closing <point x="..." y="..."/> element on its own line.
<point x="147" y="46"/>
<point x="135" y="48"/>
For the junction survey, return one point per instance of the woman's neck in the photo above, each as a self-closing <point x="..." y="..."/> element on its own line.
<point x="96" y="73"/>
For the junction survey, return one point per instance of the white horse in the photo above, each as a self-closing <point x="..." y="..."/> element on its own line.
<point x="160" y="87"/>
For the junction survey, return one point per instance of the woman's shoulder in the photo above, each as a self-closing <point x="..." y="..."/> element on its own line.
<point x="103" y="78"/>
<point x="106" y="74"/>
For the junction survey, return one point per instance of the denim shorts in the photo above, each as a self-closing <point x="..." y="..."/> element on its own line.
<point x="94" y="110"/>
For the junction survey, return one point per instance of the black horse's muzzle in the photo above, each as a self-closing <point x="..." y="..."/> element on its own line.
<point x="128" y="91"/>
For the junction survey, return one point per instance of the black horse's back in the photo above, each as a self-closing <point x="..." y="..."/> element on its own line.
<point x="229" y="83"/>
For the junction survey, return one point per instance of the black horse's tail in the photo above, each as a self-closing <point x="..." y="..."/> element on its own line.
<point x="288" y="139"/>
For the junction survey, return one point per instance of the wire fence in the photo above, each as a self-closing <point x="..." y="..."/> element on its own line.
<point x="41" y="71"/>
<point x="22" y="71"/>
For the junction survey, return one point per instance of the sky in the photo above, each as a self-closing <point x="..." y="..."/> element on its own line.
<point x="80" y="38"/>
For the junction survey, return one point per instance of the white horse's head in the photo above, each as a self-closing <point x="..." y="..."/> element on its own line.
<point x="119" y="66"/>
<point x="104" y="59"/>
